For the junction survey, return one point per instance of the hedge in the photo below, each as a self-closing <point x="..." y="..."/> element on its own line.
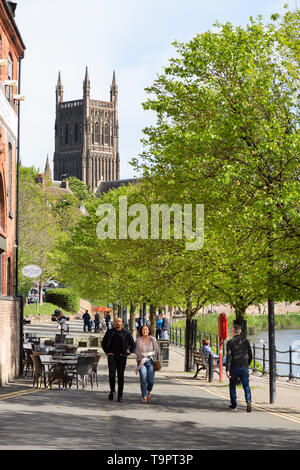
<point x="64" y="298"/>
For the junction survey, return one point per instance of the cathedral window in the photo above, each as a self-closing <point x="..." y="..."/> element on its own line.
<point x="67" y="134"/>
<point x="97" y="133"/>
<point x="106" y="134"/>
<point x="76" y="132"/>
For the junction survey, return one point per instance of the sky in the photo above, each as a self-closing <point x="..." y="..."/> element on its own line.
<point x="132" y="37"/>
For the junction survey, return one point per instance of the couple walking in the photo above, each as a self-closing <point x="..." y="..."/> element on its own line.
<point x="118" y="344"/>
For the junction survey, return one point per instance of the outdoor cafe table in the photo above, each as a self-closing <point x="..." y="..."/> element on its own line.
<point x="64" y="363"/>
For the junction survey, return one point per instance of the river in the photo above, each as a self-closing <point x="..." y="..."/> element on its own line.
<point x="283" y="340"/>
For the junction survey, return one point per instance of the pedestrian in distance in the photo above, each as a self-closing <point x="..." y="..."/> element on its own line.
<point x="117" y="345"/>
<point x="146" y="351"/>
<point x="239" y="357"/>
<point x="159" y="326"/>
<point x="86" y="319"/>
<point x="165" y="327"/>
<point x="97" y="322"/>
<point x="107" y="321"/>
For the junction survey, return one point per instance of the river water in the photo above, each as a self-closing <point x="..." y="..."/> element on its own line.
<point x="283" y="340"/>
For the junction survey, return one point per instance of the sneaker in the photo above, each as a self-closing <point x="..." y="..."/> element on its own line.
<point x="249" y="409"/>
<point x="233" y="407"/>
<point x="111" y="396"/>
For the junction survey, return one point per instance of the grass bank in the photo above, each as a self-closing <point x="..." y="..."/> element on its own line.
<point x="46" y="308"/>
<point x="255" y="323"/>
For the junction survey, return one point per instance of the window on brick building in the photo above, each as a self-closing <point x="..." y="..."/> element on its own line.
<point x="2" y="205"/>
<point x="10" y="77"/>
<point x="10" y="175"/>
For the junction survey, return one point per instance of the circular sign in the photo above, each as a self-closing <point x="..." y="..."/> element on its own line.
<point x="31" y="271"/>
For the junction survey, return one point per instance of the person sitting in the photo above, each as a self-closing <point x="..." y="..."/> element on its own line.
<point x="207" y="350"/>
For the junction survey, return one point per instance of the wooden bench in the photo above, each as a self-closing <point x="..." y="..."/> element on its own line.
<point x="201" y="362"/>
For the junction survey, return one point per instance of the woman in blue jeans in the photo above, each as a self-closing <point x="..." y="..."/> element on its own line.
<point x="146" y="351"/>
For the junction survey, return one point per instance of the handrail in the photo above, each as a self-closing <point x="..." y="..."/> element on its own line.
<point x="177" y="336"/>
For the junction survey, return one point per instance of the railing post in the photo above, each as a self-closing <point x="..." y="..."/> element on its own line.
<point x="176" y="336"/>
<point x="264" y="359"/>
<point x="180" y="337"/>
<point x="290" y="363"/>
<point x="254" y="358"/>
<point x="210" y="367"/>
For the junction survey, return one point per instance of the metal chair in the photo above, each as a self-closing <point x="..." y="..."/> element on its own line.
<point x="85" y="370"/>
<point x="95" y="367"/>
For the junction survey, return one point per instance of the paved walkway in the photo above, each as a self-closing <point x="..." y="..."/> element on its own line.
<point x="184" y="413"/>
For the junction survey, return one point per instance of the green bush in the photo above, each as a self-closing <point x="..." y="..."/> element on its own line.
<point x="64" y="298"/>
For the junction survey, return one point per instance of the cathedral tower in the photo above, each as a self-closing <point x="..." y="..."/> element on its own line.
<point x="87" y="136"/>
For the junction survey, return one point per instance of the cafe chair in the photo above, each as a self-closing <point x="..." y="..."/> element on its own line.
<point x="95" y="367"/>
<point x="84" y="370"/>
<point x="28" y="363"/>
<point x="38" y="371"/>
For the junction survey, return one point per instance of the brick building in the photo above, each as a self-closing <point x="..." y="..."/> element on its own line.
<point x="87" y="136"/>
<point x="11" y="52"/>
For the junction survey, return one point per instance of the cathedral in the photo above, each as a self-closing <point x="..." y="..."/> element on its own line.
<point x="87" y="137"/>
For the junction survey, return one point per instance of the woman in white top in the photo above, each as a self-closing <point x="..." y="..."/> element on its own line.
<point x="146" y="350"/>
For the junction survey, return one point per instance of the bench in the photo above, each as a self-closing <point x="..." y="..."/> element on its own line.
<point x="202" y="363"/>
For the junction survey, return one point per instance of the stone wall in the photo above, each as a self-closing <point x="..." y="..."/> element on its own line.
<point x="9" y="339"/>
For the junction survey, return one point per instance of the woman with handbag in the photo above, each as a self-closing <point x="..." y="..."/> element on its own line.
<point x="146" y="351"/>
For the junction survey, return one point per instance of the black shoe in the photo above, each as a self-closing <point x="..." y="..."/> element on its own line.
<point x="111" y="395"/>
<point x="120" y="399"/>
<point x="233" y="407"/>
<point x="249" y="409"/>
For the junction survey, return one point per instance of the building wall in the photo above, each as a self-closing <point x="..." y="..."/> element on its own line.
<point x="9" y="339"/>
<point x="11" y="49"/>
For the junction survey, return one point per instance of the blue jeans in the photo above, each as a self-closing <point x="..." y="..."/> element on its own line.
<point x="146" y="376"/>
<point x="243" y="374"/>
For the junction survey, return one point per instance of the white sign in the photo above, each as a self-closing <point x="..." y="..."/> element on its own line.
<point x="31" y="271"/>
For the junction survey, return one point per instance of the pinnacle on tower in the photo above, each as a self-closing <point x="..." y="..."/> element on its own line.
<point x="86" y="84"/>
<point x="113" y="88"/>
<point x="59" y="79"/>
<point x="47" y="172"/>
<point x="59" y="89"/>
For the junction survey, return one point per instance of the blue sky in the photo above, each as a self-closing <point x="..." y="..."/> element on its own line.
<point x="132" y="37"/>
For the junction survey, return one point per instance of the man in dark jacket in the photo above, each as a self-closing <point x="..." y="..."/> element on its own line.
<point x="117" y="344"/>
<point x="239" y="357"/>
<point x="86" y="319"/>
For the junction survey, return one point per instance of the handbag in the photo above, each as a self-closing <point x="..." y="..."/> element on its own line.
<point x="157" y="365"/>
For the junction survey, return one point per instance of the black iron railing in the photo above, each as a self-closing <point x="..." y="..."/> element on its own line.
<point x="260" y="353"/>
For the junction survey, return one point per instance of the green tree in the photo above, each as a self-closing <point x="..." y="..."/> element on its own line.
<point x="227" y="135"/>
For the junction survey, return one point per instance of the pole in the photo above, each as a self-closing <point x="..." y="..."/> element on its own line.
<point x="220" y="359"/>
<point x="272" y="351"/>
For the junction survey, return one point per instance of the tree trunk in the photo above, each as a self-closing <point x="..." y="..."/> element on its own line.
<point x="41" y="293"/>
<point x="240" y="313"/>
<point x="115" y="310"/>
<point x="132" y="318"/>
<point x="188" y="335"/>
<point x="153" y="320"/>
